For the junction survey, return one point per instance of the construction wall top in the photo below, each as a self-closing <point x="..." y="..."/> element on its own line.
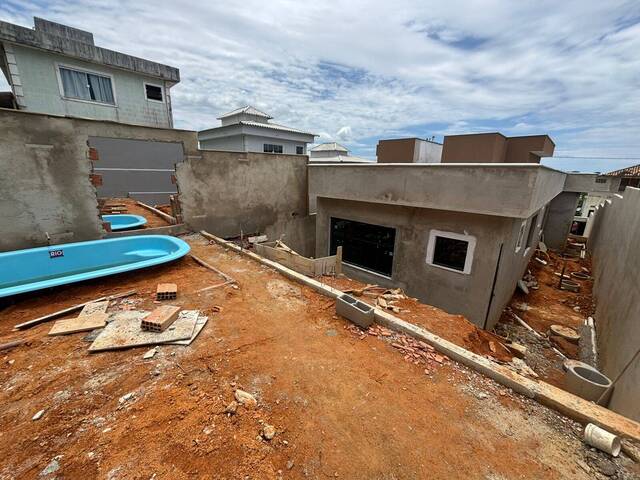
<point x="75" y="43"/>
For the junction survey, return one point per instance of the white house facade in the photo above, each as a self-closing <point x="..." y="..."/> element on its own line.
<point x="248" y="129"/>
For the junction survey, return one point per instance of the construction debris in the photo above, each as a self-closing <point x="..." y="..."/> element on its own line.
<point x="268" y="432"/>
<point x="38" y="415"/>
<point x="167" y="291"/>
<point x="12" y="344"/>
<point x="150" y="353"/>
<point x="123" y="331"/>
<point x="83" y="323"/>
<point x="159" y="319"/>
<point x="245" y="399"/>
<point x="60" y="313"/>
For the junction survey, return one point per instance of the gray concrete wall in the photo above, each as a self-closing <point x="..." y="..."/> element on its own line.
<point x="491" y="189"/>
<point x="559" y="218"/>
<point x="615" y="248"/>
<point x="44" y="185"/>
<point x="459" y="293"/>
<point x="225" y="192"/>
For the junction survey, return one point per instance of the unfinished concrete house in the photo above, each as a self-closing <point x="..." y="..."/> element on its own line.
<point x="178" y="348"/>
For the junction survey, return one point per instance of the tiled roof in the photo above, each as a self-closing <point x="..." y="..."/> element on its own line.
<point x="340" y="159"/>
<point x="273" y="126"/>
<point x="249" y="110"/>
<point x="633" y="171"/>
<point x="323" y="147"/>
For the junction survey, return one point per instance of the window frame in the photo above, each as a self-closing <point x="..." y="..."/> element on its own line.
<point x="301" y="147"/>
<point x="264" y="148"/>
<point x="58" y="66"/>
<point x="161" y="87"/>
<point x="431" y="247"/>
<point x="359" y="267"/>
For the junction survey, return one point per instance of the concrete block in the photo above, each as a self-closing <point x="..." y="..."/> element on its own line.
<point x="354" y="310"/>
<point x="160" y="318"/>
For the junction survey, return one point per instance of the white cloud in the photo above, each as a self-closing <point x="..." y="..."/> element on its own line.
<point x="388" y="68"/>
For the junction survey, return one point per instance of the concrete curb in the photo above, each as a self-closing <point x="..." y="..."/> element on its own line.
<point x="564" y="402"/>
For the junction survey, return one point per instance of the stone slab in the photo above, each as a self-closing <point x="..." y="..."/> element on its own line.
<point x="123" y="331"/>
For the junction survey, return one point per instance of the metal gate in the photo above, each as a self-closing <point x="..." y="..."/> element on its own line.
<point x="137" y="169"/>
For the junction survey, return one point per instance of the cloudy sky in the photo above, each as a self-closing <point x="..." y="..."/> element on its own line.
<point x="355" y="72"/>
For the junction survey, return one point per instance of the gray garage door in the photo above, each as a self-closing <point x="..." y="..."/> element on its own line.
<point x="136" y="168"/>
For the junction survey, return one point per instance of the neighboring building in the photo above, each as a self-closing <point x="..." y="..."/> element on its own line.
<point x="629" y="177"/>
<point x="408" y="150"/>
<point x="56" y="69"/>
<point x="496" y="148"/>
<point x="333" y="153"/>
<point x="247" y="129"/>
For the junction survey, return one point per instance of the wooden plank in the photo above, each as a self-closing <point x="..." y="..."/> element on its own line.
<point x="212" y="268"/>
<point x="83" y="323"/>
<point x="160" y="213"/>
<point x="12" y="344"/>
<point x="60" y="313"/>
<point x="160" y="318"/>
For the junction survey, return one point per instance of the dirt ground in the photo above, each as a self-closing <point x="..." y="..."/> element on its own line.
<point x="344" y="405"/>
<point x="153" y="220"/>
<point x="546" y="306"/>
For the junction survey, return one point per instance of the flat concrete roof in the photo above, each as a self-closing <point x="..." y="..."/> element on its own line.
<point x="506" y="190"/>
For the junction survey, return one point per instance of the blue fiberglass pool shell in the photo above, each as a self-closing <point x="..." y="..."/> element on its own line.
<point x="124" y="221"/>
<point x="44" y="267"/>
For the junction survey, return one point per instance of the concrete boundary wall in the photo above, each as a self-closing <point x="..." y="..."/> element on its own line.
<point x="615" y="245"/>
<point x="227" y="192"/>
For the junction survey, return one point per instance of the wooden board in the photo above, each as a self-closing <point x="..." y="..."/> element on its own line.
<point x="83" y="323"/>
<point x="95" y="307"/>
<point x="123" y="331"/>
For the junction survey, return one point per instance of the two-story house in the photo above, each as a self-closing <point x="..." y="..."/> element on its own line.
<point x="56" y="69"/>
<point x="247" y="129"/>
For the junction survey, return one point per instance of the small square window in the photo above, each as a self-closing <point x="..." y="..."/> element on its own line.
<point x="451" y="251"/>
<point x="299" y="150"/>
<point x="154" y="92"/>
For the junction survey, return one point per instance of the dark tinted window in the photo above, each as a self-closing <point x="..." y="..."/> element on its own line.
<point x="299" y="150"/>
<point x="450" y="253"/>
<point x="270" y="148"/>
<point x="153" y="92"/>
<point x="364" y="245"/>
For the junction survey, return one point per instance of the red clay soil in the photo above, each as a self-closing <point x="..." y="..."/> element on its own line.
<point x="343" y="407"/>
<point x="454" y="328"/>
<point x="153" y="220"/>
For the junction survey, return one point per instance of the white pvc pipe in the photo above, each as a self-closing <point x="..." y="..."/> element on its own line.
<point x="602" y="440"/>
